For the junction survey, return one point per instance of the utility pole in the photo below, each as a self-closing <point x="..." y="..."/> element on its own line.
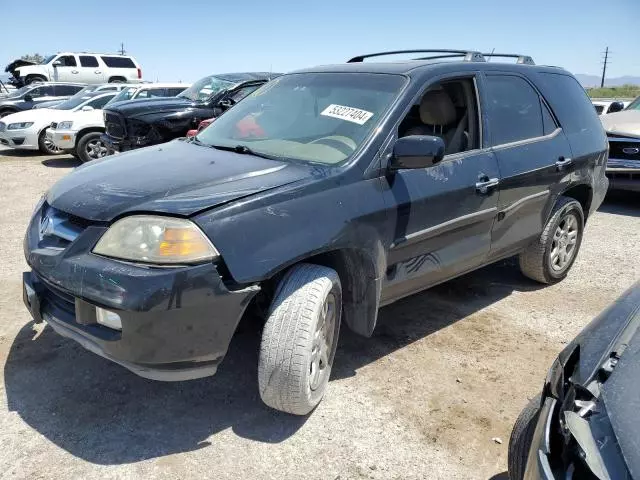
<point x="122" y="51"/>
<point x="604" y="67"/>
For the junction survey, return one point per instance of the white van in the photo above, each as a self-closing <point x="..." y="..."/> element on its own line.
<point x="90" y="68"/>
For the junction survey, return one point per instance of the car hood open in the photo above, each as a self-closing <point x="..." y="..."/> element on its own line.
<point x="178" y="178"/>
<point x="139" y="108"/>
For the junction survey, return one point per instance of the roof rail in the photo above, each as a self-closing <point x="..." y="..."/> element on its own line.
<point x="522" y="59"/>
<point x="469" y="55"/>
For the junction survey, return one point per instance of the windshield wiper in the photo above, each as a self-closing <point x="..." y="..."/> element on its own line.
<point x="244" y="150"/>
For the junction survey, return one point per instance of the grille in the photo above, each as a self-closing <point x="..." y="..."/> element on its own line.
<point x="3" y="126"/>
<point x="624" y="150"/>
<point x="114" y="125"/>
<point x="58" y="229"/>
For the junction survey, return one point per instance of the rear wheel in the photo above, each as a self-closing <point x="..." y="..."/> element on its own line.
<point x="90" y="147"/>
<point x="299" y="339"/>
<point x="117" y="80"/>
<point x="46" y="145"/>
<point x="549" y="258"/>
<point x="521" y="437"/>
<point x="34" y="79"/>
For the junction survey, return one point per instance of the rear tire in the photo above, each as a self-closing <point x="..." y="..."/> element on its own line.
<point x="34" y="79"/>
<point x="117" y="80"/>
<point x="521" y="437"/>
<point x="549" y="258"/>
<point x="299" y="339"/>
<point x="90" y="147"/>
<point x="46" y="146"/>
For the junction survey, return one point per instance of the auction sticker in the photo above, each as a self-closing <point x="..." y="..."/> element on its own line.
<point x="349" y="114"/>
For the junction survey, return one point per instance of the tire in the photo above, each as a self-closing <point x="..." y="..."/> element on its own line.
<point x="521" y="437"/>
<point x="34" y="79"/>
<point x="46" y="146"/>
<point x="299" y="339"/>
<point x="117" y="80"/>
<point x="541" y="261"/>
<point x="89" y="147"/>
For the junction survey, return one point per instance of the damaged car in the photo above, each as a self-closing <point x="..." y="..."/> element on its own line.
<point x="322" y="196"/>
<point x="585" y="423"/>
<point x="149" y="122"/>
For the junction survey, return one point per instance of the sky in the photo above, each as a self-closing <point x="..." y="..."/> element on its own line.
<point x="183" y="41"/>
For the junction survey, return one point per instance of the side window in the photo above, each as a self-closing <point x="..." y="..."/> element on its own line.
<point x="157" y="92"/>
<point x="242" y="92"/>
<point x="118" y="62"/>
<point x="88" y="61"/>
<point x="36" y="92"/>
<point x="143" y="94"/>
<point x="514" y="109"/>
<point x="67" y="60"/>
<point x="66" y="90"/>
<point x="548" y="123"/>
<point x="448" y="110"/>
<point x="172" y="92"/>
<point x="100" y="102"/>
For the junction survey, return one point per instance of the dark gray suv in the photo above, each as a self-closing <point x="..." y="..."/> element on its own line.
<point x="26" y="98"/>
<point x="323" y="195"/>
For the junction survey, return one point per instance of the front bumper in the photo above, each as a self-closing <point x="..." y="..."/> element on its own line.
<point x="624" y="175"/>
<point x="177" y="323"/>
<point x="64" y="139"/>
<point x="25" y="138"/>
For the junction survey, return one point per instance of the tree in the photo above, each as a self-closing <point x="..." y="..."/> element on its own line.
<point x="35" y="58"/>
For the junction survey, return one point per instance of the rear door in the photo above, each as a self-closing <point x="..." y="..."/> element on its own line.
<point x="90" y="71"/>
<point x="534" y="158"/>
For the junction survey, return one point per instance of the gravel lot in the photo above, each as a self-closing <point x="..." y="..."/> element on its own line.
<point x="446" y="372"/>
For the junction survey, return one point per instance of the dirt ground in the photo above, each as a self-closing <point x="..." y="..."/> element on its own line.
<point x="446" y="372"/>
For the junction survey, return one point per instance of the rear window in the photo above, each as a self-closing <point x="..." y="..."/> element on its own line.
<point x="88" y="61"/>
<point x="570" y="103"/>
<point x="118" y="62"/>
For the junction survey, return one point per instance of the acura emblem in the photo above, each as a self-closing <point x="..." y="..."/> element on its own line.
<point x="631" y="150"/>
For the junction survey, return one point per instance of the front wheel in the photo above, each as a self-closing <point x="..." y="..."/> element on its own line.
<point x="90" y="147"/>
<point x="521" y="438"/>
<point x="299" y="339"/>
<point x="34" y="79"/>
<point x="549" y="258"/>
<point x="47" y="146"/>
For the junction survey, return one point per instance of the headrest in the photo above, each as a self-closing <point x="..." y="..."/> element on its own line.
<point x="436" y="108"/>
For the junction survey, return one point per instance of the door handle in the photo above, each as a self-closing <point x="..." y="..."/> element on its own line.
<point x="74" y="71"/>
<point x="486" y="184"/>
<point x="97" y="72"/>
<point x="563" y="162"/>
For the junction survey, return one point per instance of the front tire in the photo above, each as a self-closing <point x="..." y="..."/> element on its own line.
<point x="299" y="339"/>
<point x="549" y="258"/>
<point x="46" y="146"/>
<point x="521" y="437"/>
<point x="90" y="147"/>
<point x="34" y="79"/>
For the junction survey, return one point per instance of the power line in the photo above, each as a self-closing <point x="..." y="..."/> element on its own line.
<point x="604" y="66"/>
<point x="122" y="50"/>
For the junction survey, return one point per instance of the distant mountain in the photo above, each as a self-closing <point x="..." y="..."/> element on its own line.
<point x="594" y="80"/>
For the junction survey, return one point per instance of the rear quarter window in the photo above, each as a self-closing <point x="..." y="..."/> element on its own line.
<point x="118" y="62"/>
<point x="570" y="103"/>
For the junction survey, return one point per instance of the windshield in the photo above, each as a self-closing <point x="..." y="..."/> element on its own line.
<point x="71" y="103"/>
<point x="205" y="88"/>
<point x="124" y="94"/>
<point x="47" y="59"/>
<point x="317" y="117"/>
<point x="635" y="105"/>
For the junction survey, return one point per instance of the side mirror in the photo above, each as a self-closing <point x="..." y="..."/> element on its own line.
<point x="28" y="98"/>
<point x="416" y="151"/>
<point x="87" y="108"/>
<point x="57" y="63"/>
<point x="616" y="107"/>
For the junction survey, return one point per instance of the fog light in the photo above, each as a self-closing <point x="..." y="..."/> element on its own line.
<point x="108" y="319"/>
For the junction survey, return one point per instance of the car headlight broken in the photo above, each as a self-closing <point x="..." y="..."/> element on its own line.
<point x="155" y="239"/>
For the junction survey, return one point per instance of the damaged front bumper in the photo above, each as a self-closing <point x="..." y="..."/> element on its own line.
<point x="176" y="323"/>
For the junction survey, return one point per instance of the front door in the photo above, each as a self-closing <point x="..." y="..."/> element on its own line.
<point x="65" y="69"/>
<point x="534" y="158"/>
<point x="441" y="216"/>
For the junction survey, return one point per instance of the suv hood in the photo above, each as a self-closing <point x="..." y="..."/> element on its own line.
<point x="137" y="108"/>
<point x="626" y="122"/>
<point x="176" y="178"/>
<point x="13" y="66"/>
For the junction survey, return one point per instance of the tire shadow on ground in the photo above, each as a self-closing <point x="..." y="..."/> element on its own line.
<point x="61" y="162"/>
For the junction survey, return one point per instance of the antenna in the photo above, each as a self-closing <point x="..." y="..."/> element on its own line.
<point x="604" y="66"/>
<point x="122" y="50"/>
<point x="491" y="54"/>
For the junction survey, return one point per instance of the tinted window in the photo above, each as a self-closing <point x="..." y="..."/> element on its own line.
<point x="41" y="92"/>
<point x="67" y="90"/>
<point x="599" y="108"/>
<point x="242" y="92"/>
<point x="514" y="109"/>
<point x="172" y="92"/>
<point x="100" y="102"/>
<point x="88" y="61"/>
<point x="67" y="61"/>
<point x="151" y="93"/>
<point x="118" y="62"/>
<point x="570" y="103"/>
<point x="547" y="119"/>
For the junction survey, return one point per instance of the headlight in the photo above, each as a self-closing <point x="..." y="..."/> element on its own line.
<point x="64" y="125"/>
<point x="155" y="239"/>
<point x="19" y="126"/>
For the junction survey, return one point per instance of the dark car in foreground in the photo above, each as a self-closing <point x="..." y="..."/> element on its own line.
<point x="28" y="97"/>
<point x="585" y="424"/>
<point x="363" y="183"/>
<point x="149" y="122"/>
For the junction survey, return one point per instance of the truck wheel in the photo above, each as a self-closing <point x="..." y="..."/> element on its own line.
<point x="46" y="145"/>
<point x="117" y="80"/>
<point x="299" y="339"/>
<point x="90" y="147"/>
<point x="521" y="437"/>
<point x="34" y="79"/>
<point x="549" y="258"/>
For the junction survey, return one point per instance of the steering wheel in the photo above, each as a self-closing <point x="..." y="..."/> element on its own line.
<point x="331" y="141"/>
